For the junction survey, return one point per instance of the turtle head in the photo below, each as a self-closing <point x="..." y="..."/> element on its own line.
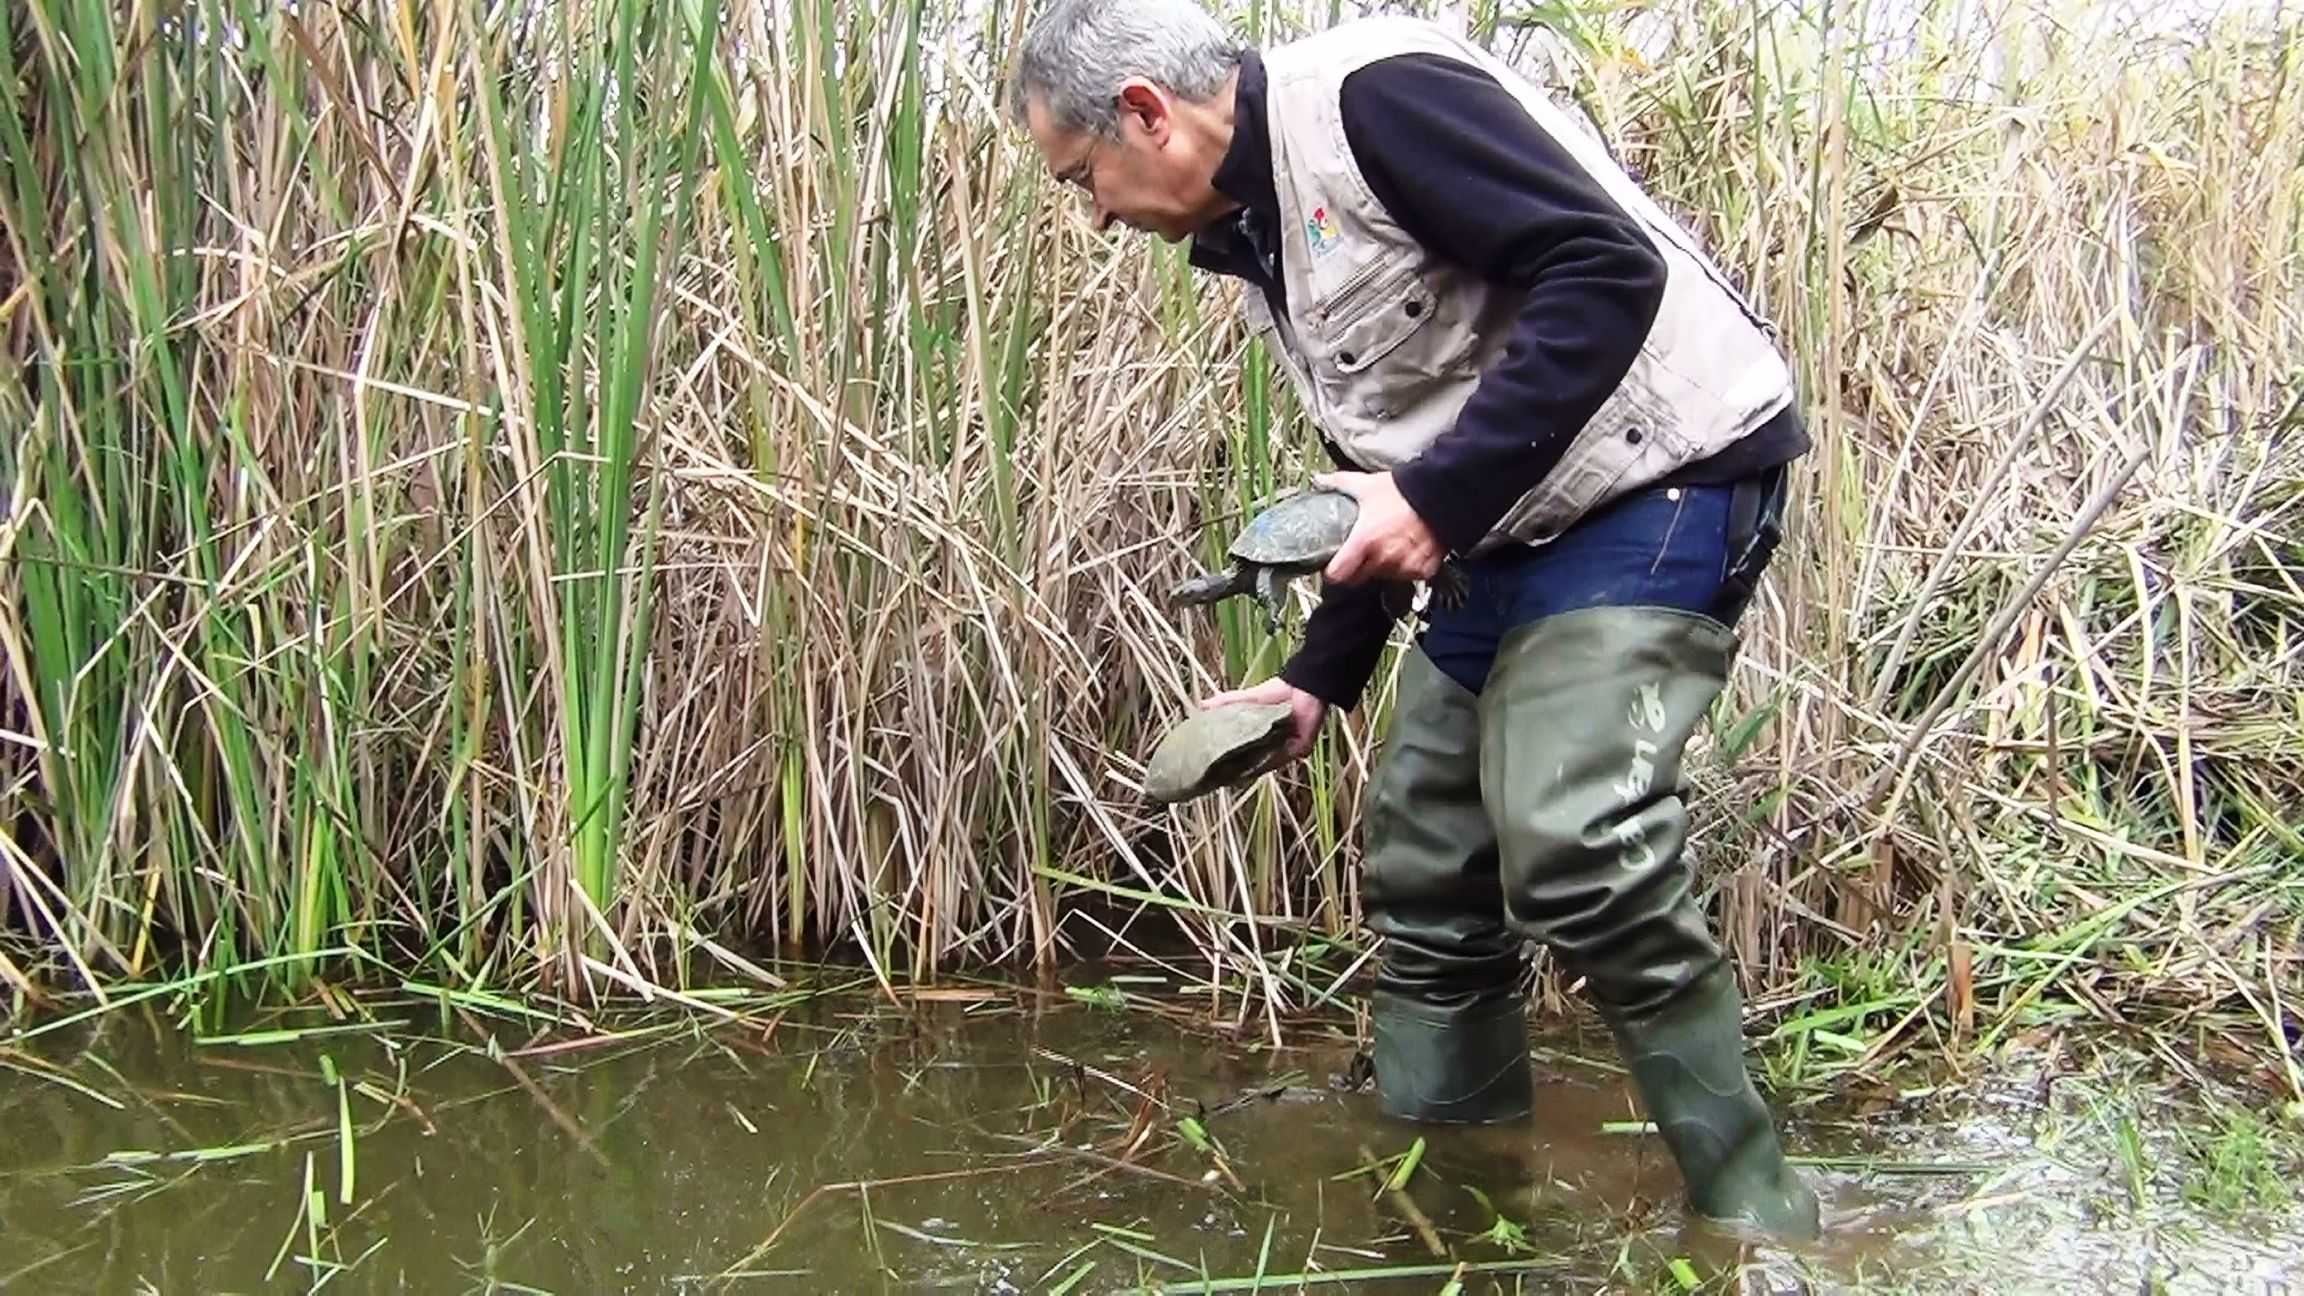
<point x="1209" y="588"/>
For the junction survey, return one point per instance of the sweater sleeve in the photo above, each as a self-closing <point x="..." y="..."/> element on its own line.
<point x="1457" y="161"/>
<point x="1343" y="640"/>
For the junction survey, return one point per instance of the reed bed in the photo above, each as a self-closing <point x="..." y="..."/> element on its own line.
<point x="566" y="495"/>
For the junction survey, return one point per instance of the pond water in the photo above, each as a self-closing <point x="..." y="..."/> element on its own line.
<point x="1005" y="1139"/>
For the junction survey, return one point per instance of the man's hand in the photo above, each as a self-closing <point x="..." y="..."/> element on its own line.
<point x="1389" y="542"/>
<point x="1310" y="712"/>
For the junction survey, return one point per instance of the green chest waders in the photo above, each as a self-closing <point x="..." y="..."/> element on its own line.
<point x="1552" y="804"/>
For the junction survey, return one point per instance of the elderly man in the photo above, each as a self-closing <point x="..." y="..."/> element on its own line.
<point x="1522" y="363"/>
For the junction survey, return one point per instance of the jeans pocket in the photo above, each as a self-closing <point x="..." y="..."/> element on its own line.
<point x="1663" y="547"/>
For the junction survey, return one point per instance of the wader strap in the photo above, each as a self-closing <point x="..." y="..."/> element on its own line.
<point x="1755" y="525"/>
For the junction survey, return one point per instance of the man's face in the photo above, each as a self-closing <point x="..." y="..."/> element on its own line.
<point x="1146" y="177"/>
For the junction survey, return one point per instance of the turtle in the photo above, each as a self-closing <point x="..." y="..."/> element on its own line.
<point x="1217" y="748"/>
<point x="1295" y="537"/>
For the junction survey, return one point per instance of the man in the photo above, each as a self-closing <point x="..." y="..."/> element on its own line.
<point x="1527" y="366"/>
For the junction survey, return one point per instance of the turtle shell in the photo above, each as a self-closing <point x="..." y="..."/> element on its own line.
<point x="1306" y="528"/>
<point x="1215" y="748"/>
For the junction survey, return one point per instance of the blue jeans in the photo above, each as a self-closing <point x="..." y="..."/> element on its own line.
<point x="1661" y="547"/>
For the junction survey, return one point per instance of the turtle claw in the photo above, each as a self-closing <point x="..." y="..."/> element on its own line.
<point x="1268" y="594"/>
<point x="1449" y="586"/>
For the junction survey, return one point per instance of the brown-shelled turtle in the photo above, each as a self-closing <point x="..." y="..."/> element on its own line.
<point x="1295" y="537"/>
<point x="1216" y="748"/>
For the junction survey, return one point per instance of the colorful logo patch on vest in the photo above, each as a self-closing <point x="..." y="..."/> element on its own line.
<point x="1321" y="232"/>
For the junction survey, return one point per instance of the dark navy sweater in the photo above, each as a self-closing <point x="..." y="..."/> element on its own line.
<point x="1458" y="163"/>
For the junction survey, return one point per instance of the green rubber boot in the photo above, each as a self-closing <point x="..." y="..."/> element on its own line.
<point x="1687" y="1060"/>
<point x="1584" y="721"/>
<point x="1452" y="1066"/>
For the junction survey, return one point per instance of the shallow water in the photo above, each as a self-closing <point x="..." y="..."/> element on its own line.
<point x="998" y="1140"/>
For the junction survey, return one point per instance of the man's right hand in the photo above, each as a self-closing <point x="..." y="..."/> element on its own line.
<point x="1309" y="711"/>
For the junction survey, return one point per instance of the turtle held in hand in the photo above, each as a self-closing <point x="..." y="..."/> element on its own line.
<point x="1295" y="537"/>
<point x="1216" y="748"/>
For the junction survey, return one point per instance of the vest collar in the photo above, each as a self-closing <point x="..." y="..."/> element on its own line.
<point x="1245" y="238"/>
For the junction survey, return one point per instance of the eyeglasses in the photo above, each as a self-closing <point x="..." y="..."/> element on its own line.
<point x="1079" y="173"/>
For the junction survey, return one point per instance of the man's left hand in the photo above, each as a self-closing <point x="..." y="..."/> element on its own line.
<point x="1388" y="542"/>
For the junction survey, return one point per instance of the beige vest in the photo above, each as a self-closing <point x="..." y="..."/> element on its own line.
<point x="1385" y="342"/>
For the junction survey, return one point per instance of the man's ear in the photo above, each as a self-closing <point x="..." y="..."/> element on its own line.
<point x="1145" y="106"/>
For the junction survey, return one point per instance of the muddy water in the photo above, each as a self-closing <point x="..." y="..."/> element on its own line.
<point x="996" y="1141"/>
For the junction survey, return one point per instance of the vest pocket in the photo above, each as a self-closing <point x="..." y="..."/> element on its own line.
<point x="1384" y="319"/>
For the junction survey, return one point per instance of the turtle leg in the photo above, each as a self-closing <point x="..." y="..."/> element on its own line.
<point x="1212" y="587"/>
<point x="1268" y="593"/>
<point x="1450" y="587"/>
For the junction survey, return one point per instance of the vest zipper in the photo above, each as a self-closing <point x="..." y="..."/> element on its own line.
<point x="1348" y="291"/>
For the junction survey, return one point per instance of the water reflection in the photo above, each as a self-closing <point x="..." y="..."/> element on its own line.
<point x="995" y="1145"/>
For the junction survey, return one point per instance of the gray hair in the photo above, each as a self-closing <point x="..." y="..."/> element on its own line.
<point x="1079" y="51"/>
